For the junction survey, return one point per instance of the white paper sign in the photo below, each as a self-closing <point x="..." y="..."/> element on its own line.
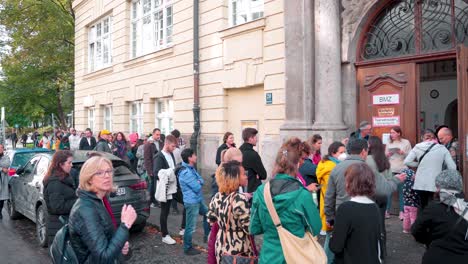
<point x="385" y="138"/>
<point x="386" y="99"/>
<point x="386" y="121"/>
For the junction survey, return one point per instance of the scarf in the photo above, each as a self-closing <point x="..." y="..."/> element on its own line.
<point x="449" y="197"/>
<point x="108" y="207"/>
<point x="335" y="160"/>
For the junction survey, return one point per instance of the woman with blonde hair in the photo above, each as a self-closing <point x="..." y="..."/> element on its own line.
<point x="93" y="235"/>
<point x="230" y="209"/>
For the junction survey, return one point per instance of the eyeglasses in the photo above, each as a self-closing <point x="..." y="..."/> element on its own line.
<point x="102" y="173"/>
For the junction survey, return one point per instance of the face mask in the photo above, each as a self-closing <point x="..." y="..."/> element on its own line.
<point x="342" y="156"/>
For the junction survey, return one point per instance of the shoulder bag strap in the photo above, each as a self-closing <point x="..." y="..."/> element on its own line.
<point x="427" y="151"/>
<point x="270" y="206"/>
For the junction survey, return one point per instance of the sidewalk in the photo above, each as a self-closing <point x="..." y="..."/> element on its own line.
<point x="401" y="248"/>
<point x="174" y="222"/>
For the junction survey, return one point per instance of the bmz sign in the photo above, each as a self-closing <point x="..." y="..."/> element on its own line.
<point x="386" y="99"/>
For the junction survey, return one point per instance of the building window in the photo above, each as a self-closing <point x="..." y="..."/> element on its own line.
<point x="151" y="26"/>
<point x="243" y="11"/>
<point x="164" y="115"/>
<point x="108" y="117"/>
<point x="91" y="118"/>
<point x="99" y="45"/>
<point x="136" y="118"/>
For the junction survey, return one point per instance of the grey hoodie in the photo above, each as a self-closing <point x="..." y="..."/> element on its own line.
<point x="430" y="166"/>
<point x="336" y="192"/>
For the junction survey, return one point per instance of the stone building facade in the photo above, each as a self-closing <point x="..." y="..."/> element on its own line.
<point x="288" y="68"/>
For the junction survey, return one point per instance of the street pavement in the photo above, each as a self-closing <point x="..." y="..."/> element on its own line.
<point x="18" y="244"/>
<point x="401" y="247"/>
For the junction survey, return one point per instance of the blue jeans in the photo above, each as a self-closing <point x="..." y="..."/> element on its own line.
<point x="326" y="247"/>
<point x="192" y="211"/>
<point x="400" y="199"/>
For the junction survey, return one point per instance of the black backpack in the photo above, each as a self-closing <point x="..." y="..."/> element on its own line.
<point x="179" y="197"/>
<point x="61" y="250"/>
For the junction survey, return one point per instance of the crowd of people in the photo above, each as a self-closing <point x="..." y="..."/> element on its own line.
<point x="344" y="195"/>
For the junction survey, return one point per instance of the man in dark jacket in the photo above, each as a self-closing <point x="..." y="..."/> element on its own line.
<point x="165" y="160"/>
<point x="103" y="144"/>
<point x="14" y="139"/>
<point x="251" y="160"/>
<point x="88" y="142"/>
<point x="364" y="131"/>
<point x="24" y="139"/>
<point x="151" y="148"/>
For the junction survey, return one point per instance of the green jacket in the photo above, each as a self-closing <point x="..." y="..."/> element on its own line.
<point x="296" y="209"/>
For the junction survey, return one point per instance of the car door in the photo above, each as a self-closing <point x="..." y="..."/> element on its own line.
<point x="22" y="187"/>
<point x="35" y="187"/>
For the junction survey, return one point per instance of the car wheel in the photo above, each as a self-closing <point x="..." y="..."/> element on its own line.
<point x="138" y="228"/>
<point x="12" y="209"/>
<point x="41" y="225"/>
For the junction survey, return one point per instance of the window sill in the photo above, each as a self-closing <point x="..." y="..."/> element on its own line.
<point x="151" y="56"/>
<point x="98" y="73"/>
<point x="258" y="24"/>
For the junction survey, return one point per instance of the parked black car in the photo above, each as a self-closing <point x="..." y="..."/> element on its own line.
<point x="26" y="197"/>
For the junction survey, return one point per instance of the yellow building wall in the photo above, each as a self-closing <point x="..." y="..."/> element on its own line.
<point x="238" y="66"/>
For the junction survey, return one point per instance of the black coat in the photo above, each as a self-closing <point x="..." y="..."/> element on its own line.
<point x="437" y="227"/>
<point x="92" y="233"/>
<point x="160" y="163"/>
<point x="253" y="166"/>
<point x="220" y="149"/>
<point x="84" y="145"/>
<point x="60" y="196"/>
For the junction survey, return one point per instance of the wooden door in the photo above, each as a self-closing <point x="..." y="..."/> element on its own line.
<point x="462" y="66"/>
<point x="387" y="98"/>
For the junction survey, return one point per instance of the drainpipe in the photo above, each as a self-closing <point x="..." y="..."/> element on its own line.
<point x="196" y="78"/>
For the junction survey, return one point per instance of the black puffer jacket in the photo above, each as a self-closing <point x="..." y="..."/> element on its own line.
<point x="60" y="196"/>
<point x="92" y="233"/>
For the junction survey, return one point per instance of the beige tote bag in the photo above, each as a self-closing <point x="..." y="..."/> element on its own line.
<point x="295" y="249"/>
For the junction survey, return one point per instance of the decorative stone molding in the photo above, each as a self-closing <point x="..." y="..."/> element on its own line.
<point x="244" y="73"/>
<point x="353" y="14"/>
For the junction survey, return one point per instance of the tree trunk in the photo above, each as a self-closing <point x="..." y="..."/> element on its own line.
<point x="61" y="114"/>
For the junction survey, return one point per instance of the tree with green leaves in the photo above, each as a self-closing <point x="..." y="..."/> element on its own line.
<point x="38" y="65"/>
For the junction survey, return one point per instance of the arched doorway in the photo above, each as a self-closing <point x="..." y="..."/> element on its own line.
<point x="407" y="52"/>
<point x="412" y="65"/>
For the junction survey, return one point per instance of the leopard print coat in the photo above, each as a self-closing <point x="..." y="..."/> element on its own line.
<point x="232" y="213"/>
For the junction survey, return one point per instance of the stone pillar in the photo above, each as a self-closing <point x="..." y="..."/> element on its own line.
<point x="299" y="68"/>
<point x="328" y="92"/>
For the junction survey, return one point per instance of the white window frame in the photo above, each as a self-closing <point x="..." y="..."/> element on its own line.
<point x="157" y="34"/>
<point x="108" y="117"/>
<point x="136" y="119"/>
<point x="243" y="11"/>
<point x="100" y="44"/>
<point x="164" y="115"/>
<point x="91" y="118"/>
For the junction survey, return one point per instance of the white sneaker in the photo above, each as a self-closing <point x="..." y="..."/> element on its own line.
<point x="182" y="232"/>
<point x="168" y="240"/>
<point x="323" y="232"/>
